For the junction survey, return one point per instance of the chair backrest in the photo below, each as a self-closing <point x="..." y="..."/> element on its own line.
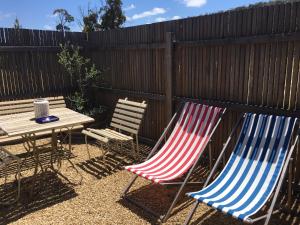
<point x="21" y="106"/>
<point x="251" y="174"/>
<point x="260" y="133"/>
<point x="189" y="138"/>
<point x="128" y="116"/>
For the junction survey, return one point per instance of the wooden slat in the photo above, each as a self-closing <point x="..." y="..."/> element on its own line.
<point x="124" y="128"/>
<point x="127" y="124"/>
<point x="124" y="112"/>
<point x="111" y="134"/>
<point x="130" y="119"/>
<point x="14" y="111"/>
<point x="130" y="108"/>
<point x="138" y="104"/>
<point x="7" y="118"/>
<point x="118" y="134"/>
<point x="30" y="109"/>
<point x="97" y="137"/>
<point x="29" y="105"/>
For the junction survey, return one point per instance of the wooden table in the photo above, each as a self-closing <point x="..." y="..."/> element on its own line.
<point x="24" y="125"/>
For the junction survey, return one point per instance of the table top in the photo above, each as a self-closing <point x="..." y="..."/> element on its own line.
<point x="24" y="123"/>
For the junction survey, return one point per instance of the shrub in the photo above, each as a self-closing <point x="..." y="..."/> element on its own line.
<point x="85" y="74"/>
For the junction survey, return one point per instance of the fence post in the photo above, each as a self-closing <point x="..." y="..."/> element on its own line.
<point x="169" y="75"/>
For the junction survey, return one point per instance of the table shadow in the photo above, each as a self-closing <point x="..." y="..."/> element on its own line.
<point x="45" y="190"/>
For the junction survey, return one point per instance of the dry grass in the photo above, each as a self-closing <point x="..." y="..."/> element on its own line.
<point x="96" y="200"/>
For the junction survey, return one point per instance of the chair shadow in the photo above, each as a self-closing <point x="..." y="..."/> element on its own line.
<point x="42" y="191"/>
<point x="159" y="197"/>
<point x="152" y="196"/>
<point x="114" y="161"/>
<point x="100" y="167"/>
<point x="289" y="216"/>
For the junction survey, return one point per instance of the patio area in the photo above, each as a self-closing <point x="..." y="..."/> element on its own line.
<point x="199" y="118"/>
<point x="97" y="199"/>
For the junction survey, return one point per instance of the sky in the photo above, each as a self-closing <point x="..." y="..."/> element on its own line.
<point x="37" y="14"/>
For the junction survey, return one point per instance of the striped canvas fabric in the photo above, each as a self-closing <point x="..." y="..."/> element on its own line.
<point x="251" y="174"/>
<point x="188" y="139"/>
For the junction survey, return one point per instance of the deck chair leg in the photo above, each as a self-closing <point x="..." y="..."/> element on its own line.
<point x="87" y="147"/>
<point x="137" y="146"/>
<point x="224" y="159"/>
<point x="103" y="153"/>
<point x="188" y="219"/>
<point x="70" y="140"/>
<point x="127" y="188"/>
<point x="133" y="149"/>
<point x="210" y="155"/>
<point x="289" y="202"/>
<point x="167" y="215"/>
<point x="164" y="218"/>
<point x="281" y="179"/>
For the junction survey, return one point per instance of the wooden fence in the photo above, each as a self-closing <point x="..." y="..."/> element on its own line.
<point x="247" y="59"/>
<point x="28" y="63"/>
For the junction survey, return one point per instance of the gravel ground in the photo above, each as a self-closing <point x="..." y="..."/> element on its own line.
<point x="97" y="200"/>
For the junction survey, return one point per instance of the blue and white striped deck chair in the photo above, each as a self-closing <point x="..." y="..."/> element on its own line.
<point x="253" y="170"/>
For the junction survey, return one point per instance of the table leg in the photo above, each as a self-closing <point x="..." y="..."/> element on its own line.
<point x="58" y="153"/>
<point x="29" y="142"/>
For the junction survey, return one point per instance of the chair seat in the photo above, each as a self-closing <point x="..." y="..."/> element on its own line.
<point x="127" y="118"/>
<point x="106" y="135"/>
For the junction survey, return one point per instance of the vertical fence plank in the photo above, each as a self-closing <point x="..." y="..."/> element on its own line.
<point x="169" y="74"/>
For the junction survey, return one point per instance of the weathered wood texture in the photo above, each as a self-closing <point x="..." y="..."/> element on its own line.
<point x="248" y="56"/>
<point x="244" y="56"/>
<point x="28" y="63"/>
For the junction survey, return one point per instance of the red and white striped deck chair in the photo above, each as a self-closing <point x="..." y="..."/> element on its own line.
<point x="181" y="152"/>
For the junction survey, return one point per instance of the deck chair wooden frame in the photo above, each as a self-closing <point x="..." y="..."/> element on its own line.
<point x="164" y="218"/>
<point x="278" y="186"/>
<point x="124" y="127"/>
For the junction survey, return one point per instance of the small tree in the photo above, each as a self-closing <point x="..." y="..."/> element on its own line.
<point x="17" y="24"/>
<point x="86" y="75"/>
<point x="90" y="22"/>
<point x="112" y="16"/>
<point x="64" y="19"/>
